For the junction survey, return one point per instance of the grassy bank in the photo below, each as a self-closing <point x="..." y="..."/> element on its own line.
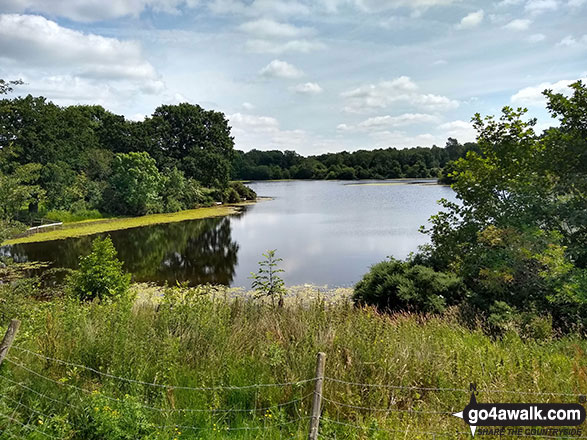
<point x="90" y="227"/>
<point x="204" y="337"/>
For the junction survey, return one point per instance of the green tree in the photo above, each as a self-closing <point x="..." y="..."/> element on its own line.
<point x="100" y="275"/>
<point x="135" y="185"/>
<point x="267" y="282"/>
<point x="194" y="140"/>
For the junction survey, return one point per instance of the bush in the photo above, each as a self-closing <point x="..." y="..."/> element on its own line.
<point x="100" y="274"/>
<point x="404" y="286"/>
<point x="244" y="192"/>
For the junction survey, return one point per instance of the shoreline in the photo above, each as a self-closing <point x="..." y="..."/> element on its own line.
<point x="98" y="226"/>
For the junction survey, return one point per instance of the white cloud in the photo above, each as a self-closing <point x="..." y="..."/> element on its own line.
<point x="383" y="94"/>
<point x="576" y="3"/>
<point x="471" y="20"/>
<point x="570" y="41"/>
<point x="536" y="38"/>
<point x="281" y="69"/>
<point x="264" y="132"/>
<point x="309" y="88"/>
<point x="33" y="41"/>
<point x="540" y="6"/>
<point x="379" y="123"/>
<point x="382" y="5"/>
<point x="248" y="106"/>
<point x="93" y="10"/>
<point x="259" y="8"/>
<point x="279" y="47"/>
<point x="532" y="96"/>
<point x="461" y="130"/>
<point x="267" y="28"/>
<point x="519" y="24"/>
<point x="505" y="3"/>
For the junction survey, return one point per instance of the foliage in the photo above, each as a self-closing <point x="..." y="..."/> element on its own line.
<point x="100" y="275"/>
<point x="517" y="237"/>
<point x="267" y="282"/>
<point x="387" y="163"/>
<point x="194" y="140"/>
<point x="135" y="185"/>
<point x="243" y="191"/>
<point x="7" y="86"/>
<point x="10" y="228"/>
<point x="394" y="285"/>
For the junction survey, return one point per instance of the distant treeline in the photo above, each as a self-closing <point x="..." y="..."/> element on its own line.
<point x="389" y="163"/>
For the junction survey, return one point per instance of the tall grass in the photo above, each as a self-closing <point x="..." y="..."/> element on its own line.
<point x="193" y="339"/>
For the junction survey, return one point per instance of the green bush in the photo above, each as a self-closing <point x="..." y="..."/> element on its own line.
<point x="404" y="286"/>
<point x="244" y="192"/>
<point x="100" y="274"/>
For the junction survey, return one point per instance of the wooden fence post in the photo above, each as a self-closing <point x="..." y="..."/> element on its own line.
<point x="317" y="401"/>
<point x="8" y="338"/>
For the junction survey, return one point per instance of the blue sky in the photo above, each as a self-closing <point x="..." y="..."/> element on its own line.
<point x="308" y="75"/>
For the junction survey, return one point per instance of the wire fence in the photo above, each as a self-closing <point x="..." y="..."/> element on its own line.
<point x="31" y="394"/>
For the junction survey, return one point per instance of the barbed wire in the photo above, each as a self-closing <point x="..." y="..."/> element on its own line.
<point x="389" y="410"/>
<point x="36" y="392"/>
<point x="461" y="390"/>
<point x="161" y="410"/>
<point x="159" y="385"/>
<point x="28" y="426"/>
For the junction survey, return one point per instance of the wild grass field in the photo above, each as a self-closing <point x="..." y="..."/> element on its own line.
<point x="187" y="352"/>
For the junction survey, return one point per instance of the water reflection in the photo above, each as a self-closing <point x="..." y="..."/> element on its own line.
<point x="200" y="251"/>
<point x="327" y="232"/>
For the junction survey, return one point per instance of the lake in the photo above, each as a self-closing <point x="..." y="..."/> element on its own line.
<point x="327" y="232"/>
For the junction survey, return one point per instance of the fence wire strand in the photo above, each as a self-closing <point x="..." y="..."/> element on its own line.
<point x="159" y="385"/>
<point x="153" y="408"/>
<point x="459" y="390"/>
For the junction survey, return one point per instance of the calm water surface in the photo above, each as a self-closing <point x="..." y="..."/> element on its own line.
<point x="327" y="232"/>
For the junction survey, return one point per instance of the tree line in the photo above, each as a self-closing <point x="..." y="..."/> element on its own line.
<point x="389" y="163"/>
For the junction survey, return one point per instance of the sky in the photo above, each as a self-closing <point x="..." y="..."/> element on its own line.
<point x="305" y="75"/>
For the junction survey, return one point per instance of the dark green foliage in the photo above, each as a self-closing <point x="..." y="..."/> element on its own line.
<point x="135" y="185"/>
<point x="194" y="140"/>
<point x="100" y="275"/>
<point x="387" y="163"/>
<point x="394" y="285"/>
<point x="243" y="191"/>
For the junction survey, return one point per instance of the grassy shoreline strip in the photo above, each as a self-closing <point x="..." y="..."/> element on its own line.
<point x="90" y="227"/>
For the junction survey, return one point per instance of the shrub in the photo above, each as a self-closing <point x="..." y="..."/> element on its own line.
<point x="100" y="274"/>
<point x="266" y="281"/>
<point x="404" y="286"/>
<point x="244" y="192"/>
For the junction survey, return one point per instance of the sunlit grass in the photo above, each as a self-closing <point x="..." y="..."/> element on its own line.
<point x="214" y="336"/>
<point x="90" y="227"/>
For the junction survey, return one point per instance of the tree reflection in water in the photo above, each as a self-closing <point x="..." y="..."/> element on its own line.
<point x="197" y="251"/>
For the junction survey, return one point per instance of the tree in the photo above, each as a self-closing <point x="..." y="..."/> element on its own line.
<point x="6" y="86"/>
<point x="518" y="235"/>
<point x="135" y="185"/>
<point x="194" y="140"/>
<point x="267" y="282"/>
<point x="100" y="275"/>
